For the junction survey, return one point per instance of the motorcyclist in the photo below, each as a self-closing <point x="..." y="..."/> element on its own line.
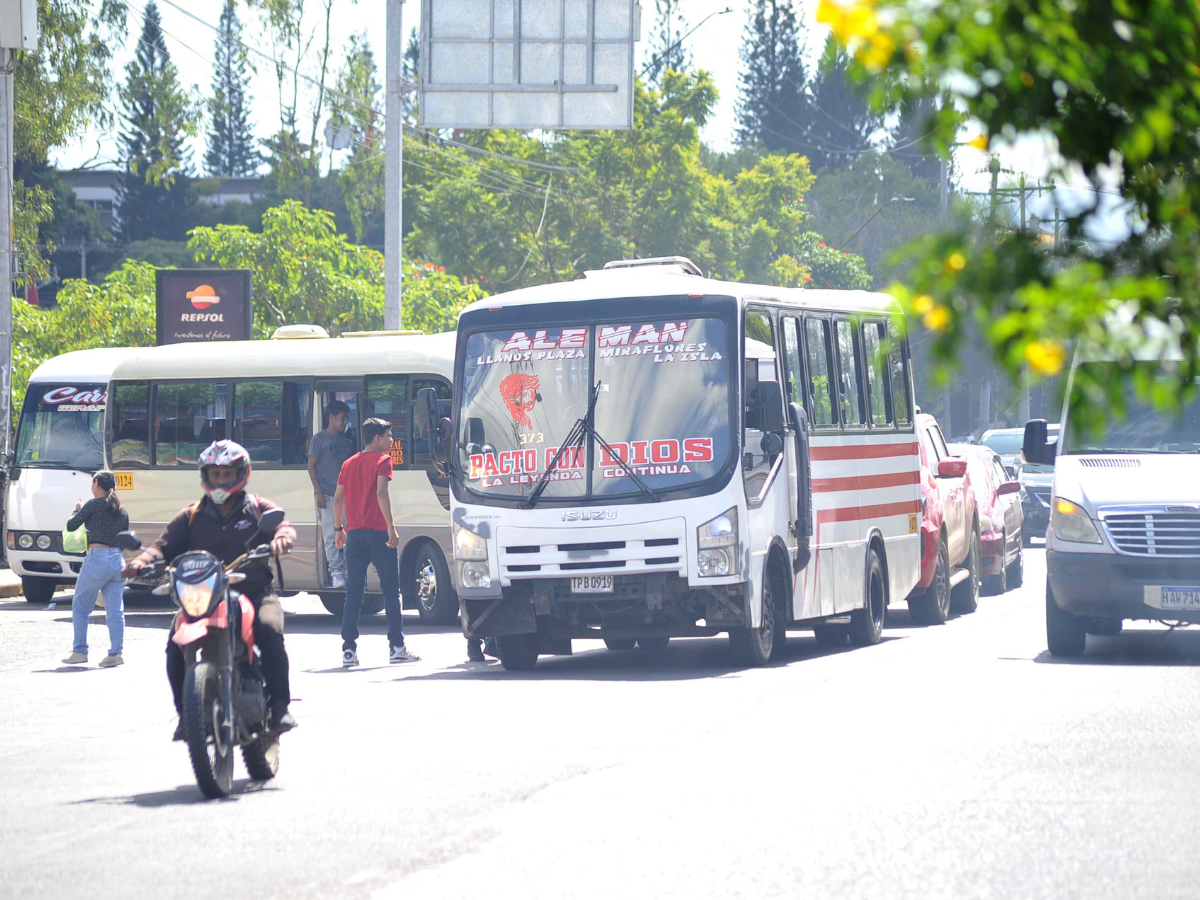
<point x="221" y="522"/>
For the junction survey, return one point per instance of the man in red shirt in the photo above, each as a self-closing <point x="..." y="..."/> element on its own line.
<point x="369" y="537"/>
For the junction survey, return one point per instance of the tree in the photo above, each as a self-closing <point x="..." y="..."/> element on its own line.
<point x="231" y="149"/>
<point x="158" y="116"/>
<point x="666" y="44"/>
<point x="773" y="105"/>
<point x="1115" y="90"/>
<point x="842" y="124"/>
<point x="353" y="111"/>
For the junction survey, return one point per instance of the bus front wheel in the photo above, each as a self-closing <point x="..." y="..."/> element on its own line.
<point x="38" y="590"/>
<point x="754" y="646"/>
<point x="517" y="652"/>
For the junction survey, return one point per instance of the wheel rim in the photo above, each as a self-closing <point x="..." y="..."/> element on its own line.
<point x="427" y="586"/>
<point x="943" y="583"/>
<point x="766" y="630"/>
<point x="976" y="554"/>
<point x="877" y="600"/>
<point x="216" y="750"/>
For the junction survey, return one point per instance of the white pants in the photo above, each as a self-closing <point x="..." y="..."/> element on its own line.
<point x="333" y="556"/>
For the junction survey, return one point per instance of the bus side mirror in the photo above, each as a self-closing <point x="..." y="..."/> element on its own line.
<point x="1038" y="449"/>
<point x="475" y="432"/>
<point x="427" y="413"/>
<point x="768" y="398"/>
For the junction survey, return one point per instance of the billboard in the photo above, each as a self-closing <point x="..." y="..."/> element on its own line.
<point x="528" y="64"/>
<point x="197" y="305"/>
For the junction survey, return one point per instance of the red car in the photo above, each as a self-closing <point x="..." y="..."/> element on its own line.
<point x="1001" y="520"/>
<point x="950" y="546"/>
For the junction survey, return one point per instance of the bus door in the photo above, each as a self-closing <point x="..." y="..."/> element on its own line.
<point x="805" y="602"/>
<point x="849" y="558"/>
<point x="350" y="392"/>
<point x="765" y="462"/>
<point x="834" y="485"/>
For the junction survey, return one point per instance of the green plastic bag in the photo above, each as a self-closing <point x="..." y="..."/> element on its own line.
<point x="75" y="541"/>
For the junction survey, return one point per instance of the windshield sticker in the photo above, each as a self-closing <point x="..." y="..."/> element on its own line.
<point x="520" y="347"/>
<point x="661" y="457"/>
<point x="73" y="399"/>
<point x="520" y="393"/>
<point x="667" y="344"/>
<point x="512" y="467"/>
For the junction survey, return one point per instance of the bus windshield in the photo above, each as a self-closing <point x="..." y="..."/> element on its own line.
<point x="62" y="427"/>
<point x="663" y="407"/>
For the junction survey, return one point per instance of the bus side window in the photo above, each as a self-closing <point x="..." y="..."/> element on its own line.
<point x="188" y="416"/>
<point x="272" y="419"/>
<point x="880" y="402"/>
<point x="820" y="406"/>
<point x="898" y="374"/>
<point x="760" y="353"/>
<point x="421" y="456"/>
<point x="130" y="425"/>
<point x="795" y="372"/>
<point x="387" y="399"/>
<point x="850" y="369"/>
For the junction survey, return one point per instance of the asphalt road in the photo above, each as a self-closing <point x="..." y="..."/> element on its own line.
<point x="954" y="761"/>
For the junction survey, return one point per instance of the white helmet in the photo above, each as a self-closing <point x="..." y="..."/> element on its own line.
<point x="224" y="453"/>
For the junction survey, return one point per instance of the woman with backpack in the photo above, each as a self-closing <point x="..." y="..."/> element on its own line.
<point x="101" y="570"/>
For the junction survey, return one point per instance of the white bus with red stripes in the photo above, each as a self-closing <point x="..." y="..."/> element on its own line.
<point x="645" y="453"/>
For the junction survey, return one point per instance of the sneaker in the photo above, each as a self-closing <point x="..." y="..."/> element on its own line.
<point x="475" y="650"/>
<point x="113" y="659"/>
<point x="402" y="654"/>
<point x="337" y="580"/>
<point x="282" y="720"/>
<point x="349" y="658"/>
<point x="178" y="735"/>
<point x="75" y="659"/>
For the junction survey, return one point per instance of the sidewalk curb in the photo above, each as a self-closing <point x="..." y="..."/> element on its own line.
<point x="10" y="588"/>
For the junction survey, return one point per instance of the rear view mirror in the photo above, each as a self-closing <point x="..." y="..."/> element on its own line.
<point x="475" y="432"/>
<point x="768" y="399"/>
<point x="427" y="413"/>
<point x="1038" y="449"/>
<point x="952" y="468"/>
<point x="1009" y="487"/>
<point x="128" y="540"/>
<point x="270" y="521"/>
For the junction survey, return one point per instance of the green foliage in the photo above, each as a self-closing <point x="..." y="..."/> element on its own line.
<point x="117" y="313"/>
<point x="773" y="104"/>
<point x="1115" y="87"/>
<point x="353" y="110"/>
<point x="433" y="299"/>
<point x="231" y="135"/>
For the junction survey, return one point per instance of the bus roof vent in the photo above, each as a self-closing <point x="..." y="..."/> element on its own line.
<point x="401" y="333"/>
<point x="682" y="263"/>
<point x="299" y="333"/>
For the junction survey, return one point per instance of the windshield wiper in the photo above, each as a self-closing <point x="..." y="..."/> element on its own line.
<point x="585" y="425"/>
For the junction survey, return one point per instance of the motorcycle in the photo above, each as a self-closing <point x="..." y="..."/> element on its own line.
<point x="224" y="695"/>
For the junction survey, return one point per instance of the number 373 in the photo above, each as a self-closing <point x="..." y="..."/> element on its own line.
<point x="532" y="437"/>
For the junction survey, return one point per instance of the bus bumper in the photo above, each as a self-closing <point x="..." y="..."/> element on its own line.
<point x="642" y="604"/>
<point x="48" y="564"/>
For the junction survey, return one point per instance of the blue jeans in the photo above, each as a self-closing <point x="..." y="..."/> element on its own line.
<point x="100" y="574"/>
<point x="364" y="547"/>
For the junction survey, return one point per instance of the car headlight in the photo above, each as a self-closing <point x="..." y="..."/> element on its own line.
<point x="25" y="541"/>
<point x="476" y="575"/>
<point x="194" y="598"/>
<point x="468" y="545"/>
<point x="44" y="541"/>
<point x="717" y="539"/>
<point x="1070" y="523"/>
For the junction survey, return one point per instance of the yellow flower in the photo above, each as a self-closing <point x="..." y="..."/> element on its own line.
<point x="922" y="304"/>
<point x="956" y="261"/>
<point x="1026" y="79"/>
<point x="979" y="143"/>
<point x="879" y="53"/>
<point x="1045" y="357"/>
<point x="848" y="21"/>
<point x="937" y="319"/>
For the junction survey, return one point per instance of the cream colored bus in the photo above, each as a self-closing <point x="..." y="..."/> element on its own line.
<point x="166" y="404"/>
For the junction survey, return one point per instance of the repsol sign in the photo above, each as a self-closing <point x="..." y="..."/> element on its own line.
<point x="202" y="305"/>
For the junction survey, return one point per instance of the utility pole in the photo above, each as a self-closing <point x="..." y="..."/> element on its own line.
<point x="8" y="60"/>
<point x="944" y="178"/>
<point x="393" y="184"/>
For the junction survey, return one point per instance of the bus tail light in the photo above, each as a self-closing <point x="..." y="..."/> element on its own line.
<point x="717" y="539"/>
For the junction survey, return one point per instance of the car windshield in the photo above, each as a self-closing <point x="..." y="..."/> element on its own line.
<point x="662" y="407"/>
<point x="1005" y="442"/>
<point x="62" y="427"/>
<point x="1142" y="428"/>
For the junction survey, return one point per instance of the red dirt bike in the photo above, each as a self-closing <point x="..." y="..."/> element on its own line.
<point x="224" y="697"/>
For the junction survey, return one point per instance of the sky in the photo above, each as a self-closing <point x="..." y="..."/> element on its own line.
<point x="714" y="46"/>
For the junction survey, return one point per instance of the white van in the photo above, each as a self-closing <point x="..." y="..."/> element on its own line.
<point x="60" y="445"/>
<point x="1124" y="535"/>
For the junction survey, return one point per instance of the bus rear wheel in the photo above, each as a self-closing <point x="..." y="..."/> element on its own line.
<point x="866" y="624"/>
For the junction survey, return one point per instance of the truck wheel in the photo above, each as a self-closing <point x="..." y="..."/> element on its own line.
<point x="620" y="644"/>
<point x="831" y="635"/>
<point x="932" y="605"/>
<point x="518" y="652"/>
<point x="653" y="644"/>
<point x="866" y="624"/>
<point x="335" y="602"/>
<point x="436" y="601"/>
<point x="38" y="590"/>
<point x="754" y="646"/>
<point x="965" y="597"/>
<point x="998" y="584"/>
<point x="1064" y="632"/>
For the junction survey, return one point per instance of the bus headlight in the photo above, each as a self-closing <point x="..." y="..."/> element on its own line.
<point x="25" y="541"/>
<point x="468" y="545"/>
<point x="476" y="575"/>
<point x="1070" y="523"/>
<point x="44" y="542"/>
<point x="717" y="539"/>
